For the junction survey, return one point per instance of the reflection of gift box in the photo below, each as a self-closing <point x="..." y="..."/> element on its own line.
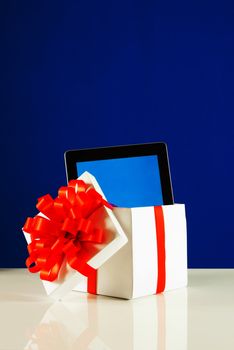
<point x="158" y="323"/>
<point x="145" y="253"/>
<point x="64" y="326"/>
<point x="83" y="323"/>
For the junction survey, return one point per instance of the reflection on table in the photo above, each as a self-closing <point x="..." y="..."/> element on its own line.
<point x="91" y="322"/>
<point x="199" y="317"/>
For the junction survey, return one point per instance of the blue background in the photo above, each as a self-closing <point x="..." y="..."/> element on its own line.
<point x="127" y="182"/>
<point x="78" y="74"/>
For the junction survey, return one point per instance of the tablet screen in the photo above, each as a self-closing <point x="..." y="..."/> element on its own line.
<point x="127" y="182"/>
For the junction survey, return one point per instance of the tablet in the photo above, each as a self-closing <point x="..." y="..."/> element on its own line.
<point x="130" y="176"/>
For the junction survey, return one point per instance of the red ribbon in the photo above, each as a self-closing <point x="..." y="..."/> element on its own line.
<point x="68" y="232"/>
<point x="160" y="239"/>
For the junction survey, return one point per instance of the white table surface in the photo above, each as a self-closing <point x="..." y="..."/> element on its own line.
<point x="198" y="317"/>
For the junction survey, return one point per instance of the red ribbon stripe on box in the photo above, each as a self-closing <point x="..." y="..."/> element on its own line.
<point x="67" y="232"/>
<point x="160" y="240"/>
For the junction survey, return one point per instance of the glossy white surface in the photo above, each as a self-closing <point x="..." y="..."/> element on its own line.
<point x="199" y="317"/>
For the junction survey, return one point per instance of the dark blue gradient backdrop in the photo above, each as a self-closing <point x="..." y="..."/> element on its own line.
<point x="77" y="74"/>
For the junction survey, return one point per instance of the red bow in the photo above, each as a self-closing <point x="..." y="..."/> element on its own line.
<point x="65" y="232"/>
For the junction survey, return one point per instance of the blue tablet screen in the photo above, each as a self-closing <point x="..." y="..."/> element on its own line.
<point x="127" y="182"/>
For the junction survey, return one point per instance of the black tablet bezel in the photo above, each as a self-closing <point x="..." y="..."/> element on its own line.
<point x="157" y="148"/>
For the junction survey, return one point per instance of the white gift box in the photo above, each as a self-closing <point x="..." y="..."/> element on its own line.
<point x="127" y="267"/>
<point x="133" y="271"/>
